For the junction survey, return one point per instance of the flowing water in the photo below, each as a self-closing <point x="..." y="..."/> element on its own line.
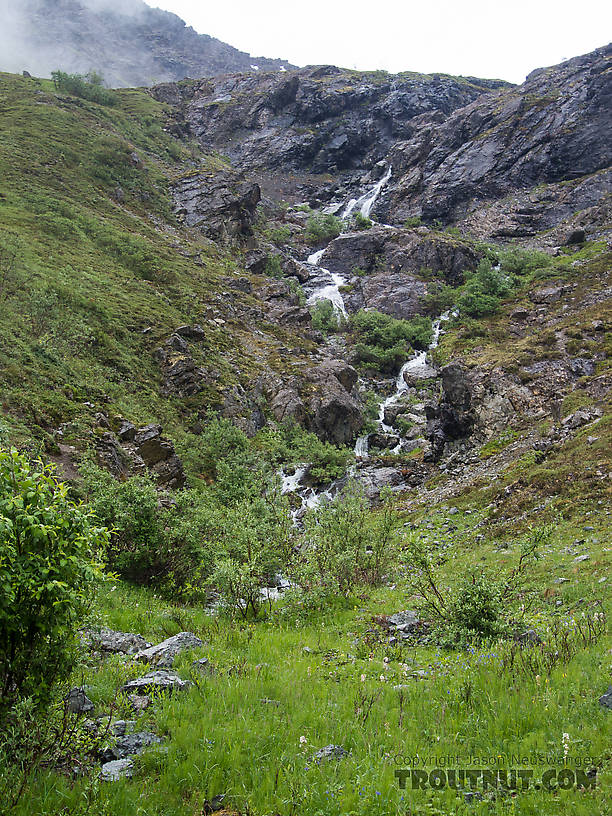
<point x="325" y="285"/>
<point x="365" y="203"/>
<point x="416" y="366"/>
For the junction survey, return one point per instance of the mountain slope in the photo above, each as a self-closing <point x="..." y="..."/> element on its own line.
<point x="130" y="43"/>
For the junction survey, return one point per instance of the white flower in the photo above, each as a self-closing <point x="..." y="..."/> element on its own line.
<point x="382" y="678"/>
<point x="363" y="678"/>
<point x="303" y="740"/>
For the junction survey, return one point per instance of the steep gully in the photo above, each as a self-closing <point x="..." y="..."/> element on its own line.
<point x="325" y="285"/>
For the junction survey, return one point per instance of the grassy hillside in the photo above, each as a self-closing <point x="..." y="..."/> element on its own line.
<point x="102" y="272"/>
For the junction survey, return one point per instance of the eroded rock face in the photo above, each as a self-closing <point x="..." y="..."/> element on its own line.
<point x="555" y="127"/>
<point x="221" y="205"/>
<point x="386" y="267"/>
<point x="314" y="119"/>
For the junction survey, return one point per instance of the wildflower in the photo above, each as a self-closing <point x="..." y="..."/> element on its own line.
<point x="303" y="740"/>
<point x="537" y="679"/>
<point x="382" y="678"/>
<point x="363" y="678"/>
<point x="566" y="743"/>
<point x="385" y="659"/>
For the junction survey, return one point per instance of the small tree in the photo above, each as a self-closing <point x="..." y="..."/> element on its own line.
<point x="49" y="570"/>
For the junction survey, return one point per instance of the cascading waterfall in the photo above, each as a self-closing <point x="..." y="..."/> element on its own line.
<point x="365" y="203"/>
<point x="328" y="285"/>
<point x="415" y="365"/>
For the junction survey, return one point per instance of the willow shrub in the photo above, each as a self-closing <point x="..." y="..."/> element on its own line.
<point x="49" y="569"/>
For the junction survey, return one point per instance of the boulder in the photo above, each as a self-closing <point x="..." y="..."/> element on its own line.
<point x="77" y="702"/>
<point x="164" y="653"/>
<point x="112" y="642"/>
<point x="129" y="746"/>
<point x="156" y="681"/>
<point x="116" y="770"/>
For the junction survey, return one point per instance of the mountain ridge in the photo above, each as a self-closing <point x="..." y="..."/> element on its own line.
<point x="131" y="44"/>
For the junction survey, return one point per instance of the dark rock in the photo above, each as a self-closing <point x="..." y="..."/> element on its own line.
<point x="129" y="746"/>
<point x="213" y="805"/>
<point x="159" y="455"/>
<point x="553" y="128"/>
<point x="126" y="431"/>
<point x="222" y="206"/>
<point x="255" y="263"/>
<point x="77" y="702"/>
<point x="203" y="666"/>
<point x="151" y="446"/>
<point x="577" y="236"/>
<point x="606" y="698"/>
<point x="164" y="653"/>
<point x="110" y="454"/>
<point x="329" y="752"/>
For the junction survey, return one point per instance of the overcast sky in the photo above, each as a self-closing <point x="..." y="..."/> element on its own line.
<point x="485" y="38"/>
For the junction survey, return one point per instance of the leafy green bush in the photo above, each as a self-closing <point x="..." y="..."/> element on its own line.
<point x="324" y="317"/>
<point x="49" y="569"/>
<point x="440" y="298"/>
<point x="413" y="221"/>
<point x="348" y="544"/>
<point x="479" y="606"/>
<point x="252" y="544"/>
<point x="130" y="509"/>
<point x="321" y="228"/>
<point x="362" y="222"/>
<point x="483" y="290"/>
<point x="274" y="267"/>
<point x="522" y="262"/>
<point x="384" y="342"/>
<point x="87" y="86"/>
<point x="280" y="235"/>
<point x="290" y="444"/>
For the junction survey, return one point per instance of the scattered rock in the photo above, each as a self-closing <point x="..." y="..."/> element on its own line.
<point x="164" y="653"/>
<point x="203" y="666"/>
<point x="112" y="642"/>
<point x="606" y="698"/>
<point x="139" y="702"/>
<point x="77" y="702"/>
<point x="329" y="752"/>
<point x="154" y="682"/>
<point x="130" y="745"/>
<point x="116" y="769"/>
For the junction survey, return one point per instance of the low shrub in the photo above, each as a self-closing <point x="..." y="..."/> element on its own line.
<point x="324" y="317"/>
<point x="87" y="86"/>
<point x="50" y="552"/>
<point x="321" y="228"/>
